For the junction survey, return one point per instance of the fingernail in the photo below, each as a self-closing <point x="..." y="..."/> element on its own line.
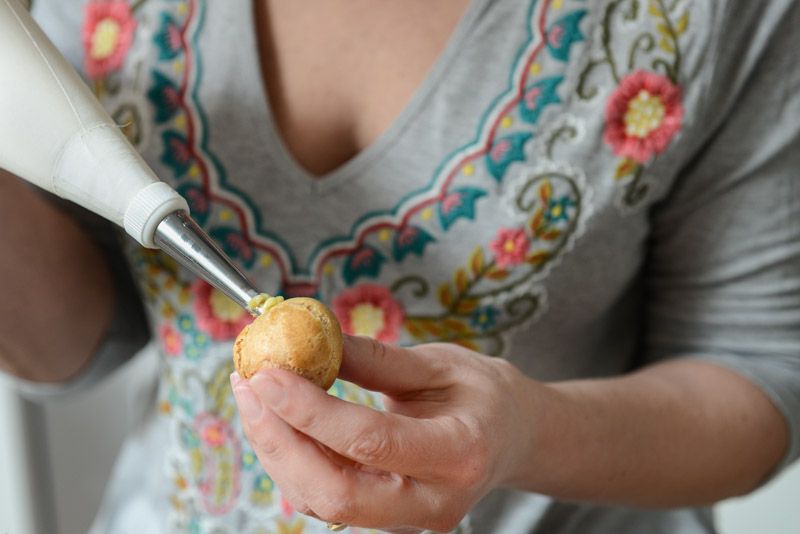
<point x="249" y="404"/>
<point x="235" y="379"/>
<point x="268" y="387"/>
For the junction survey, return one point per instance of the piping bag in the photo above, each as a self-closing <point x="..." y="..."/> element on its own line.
<point x="56" y="135"/>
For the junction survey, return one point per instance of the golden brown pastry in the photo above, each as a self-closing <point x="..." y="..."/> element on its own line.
<point x="300" y="335"/>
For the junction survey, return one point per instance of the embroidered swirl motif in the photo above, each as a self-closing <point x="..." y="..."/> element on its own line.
<point x="492" y="293"/>
<point x="645" y="111"/>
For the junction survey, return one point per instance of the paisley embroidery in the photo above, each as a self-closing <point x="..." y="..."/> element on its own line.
<point x="493" y="291"/>
<point x="644" y="113"/>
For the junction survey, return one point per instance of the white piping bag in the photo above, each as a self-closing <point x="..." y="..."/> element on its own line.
<point x="55" y="134"/>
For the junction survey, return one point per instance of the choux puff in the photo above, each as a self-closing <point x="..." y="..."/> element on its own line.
<point x="299" y="334"/>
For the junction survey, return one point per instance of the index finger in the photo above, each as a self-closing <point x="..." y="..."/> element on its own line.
<point x="390" y="369"/>
<point x="421" y="448"/>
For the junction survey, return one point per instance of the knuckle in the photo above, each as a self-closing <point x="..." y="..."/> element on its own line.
<point x="377" y="350"/>
<point x="372" y="447"/>
<point x="265" y="444"/>
<point x="339" y="509"/>
<point x="475" y="468"/>
<point x="474" y="463"/>
<point x="301" y="417"/>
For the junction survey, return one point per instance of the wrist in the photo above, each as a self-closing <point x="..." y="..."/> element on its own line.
<point x="538" y="452"/>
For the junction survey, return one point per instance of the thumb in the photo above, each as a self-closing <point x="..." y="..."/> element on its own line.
<point x="387" y="368"/>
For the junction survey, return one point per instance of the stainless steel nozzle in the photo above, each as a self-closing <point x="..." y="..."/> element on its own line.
<point x="180" y="237"/>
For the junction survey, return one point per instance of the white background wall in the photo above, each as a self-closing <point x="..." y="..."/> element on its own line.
<point x="85" y="433"/>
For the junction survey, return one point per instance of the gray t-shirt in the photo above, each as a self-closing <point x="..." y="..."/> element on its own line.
<point x="579" y="187"/>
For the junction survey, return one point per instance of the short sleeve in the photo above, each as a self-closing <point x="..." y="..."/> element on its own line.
<point x="128" y="331"/>
<point x="723" y="271"/>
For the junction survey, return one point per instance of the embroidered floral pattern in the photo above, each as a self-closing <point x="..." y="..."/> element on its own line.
<point x="218" y="315"/>
<point x="492" y="293"/>
<point x="369" y="310"/>
<point x="509" y="247"/>
<point x="107" y="35"/>
<point x="643" y="115"/>
<point x="644" y="112"/>
<point x="489" y="291"/>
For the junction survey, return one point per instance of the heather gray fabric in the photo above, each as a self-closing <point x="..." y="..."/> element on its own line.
<point x="591" y="264"/>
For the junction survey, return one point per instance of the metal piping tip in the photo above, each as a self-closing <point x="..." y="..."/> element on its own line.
<point x="180" y="237"/>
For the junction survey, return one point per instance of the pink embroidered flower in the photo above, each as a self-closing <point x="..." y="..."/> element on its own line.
<point x="217" y="315"/>
<point x="643" y="114"/>
<point x="369" y="310"/>
<point x="170" y="339"/>
<point x="214" y="433"/>
<point x="510" y="247"/>
<point x="107" y="34"/>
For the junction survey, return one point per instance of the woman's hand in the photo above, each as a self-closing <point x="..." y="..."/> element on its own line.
<point x="453" y="429"/>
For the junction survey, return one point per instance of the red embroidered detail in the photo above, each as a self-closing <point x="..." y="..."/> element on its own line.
<point x="107" y="35"/>
<point x="369" y="310"/>
<point x="217" y="315"/>
<point x="510" y="247"/>
<point x="643" y="114"/>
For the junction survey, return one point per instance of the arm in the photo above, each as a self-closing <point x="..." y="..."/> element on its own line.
<point x="679" y="433"/>
<point x="458" y="424"/>
<point x="57" y="290"/>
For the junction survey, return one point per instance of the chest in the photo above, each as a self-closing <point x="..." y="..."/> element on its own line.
<point x="497" y="192"/>
<point x="338" y="72"/>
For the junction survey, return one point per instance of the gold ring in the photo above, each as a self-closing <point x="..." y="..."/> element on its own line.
<point x="336" y="527"/>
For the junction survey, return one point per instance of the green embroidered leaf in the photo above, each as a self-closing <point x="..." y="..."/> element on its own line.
<point x="454" y="325"/>
<point x="625" y="168"/>
<point x="536" y="221"/>
<point x="467" y="306"/>
<point x="414" y="329"/>
<point x="545" y="191"/>
<point x="537" y="257"/>
<point x="476" y="261"/>
<point x="432" y="328"/>
<point x="663" y="29"/>
<point x="551" y="235"/>
<point x="445" y="295"/>
<point x="666" y="45"/>
<point x="461" y="280"/>
<point x="682" y="23"/>
<point x="496" y="273"/>
<point x="654" y="9"/>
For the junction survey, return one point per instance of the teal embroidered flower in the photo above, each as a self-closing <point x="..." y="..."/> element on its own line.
<point x="558" y="209"/>
<point x="165" y="97"/>
<point x="199" y="205"/>
<point x="538" y="96"/>
<point x="484" y="318"/>
<point x="410" y="239"/>
<point x="563" y="33"/>
<point x="366" y="261"/>
<point x="505" y="151"/>
<point x="458" y="203"/>
<point x="189" y="437"/>
<point x="168" y="38"/>
<point x="177" y="154"/>
<point x="249" y="459"/>
<point x="235" y="244"/>
<point x="185" y="322"/>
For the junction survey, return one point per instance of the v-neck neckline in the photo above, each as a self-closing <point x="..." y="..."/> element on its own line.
<point x="366" y="156"/>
